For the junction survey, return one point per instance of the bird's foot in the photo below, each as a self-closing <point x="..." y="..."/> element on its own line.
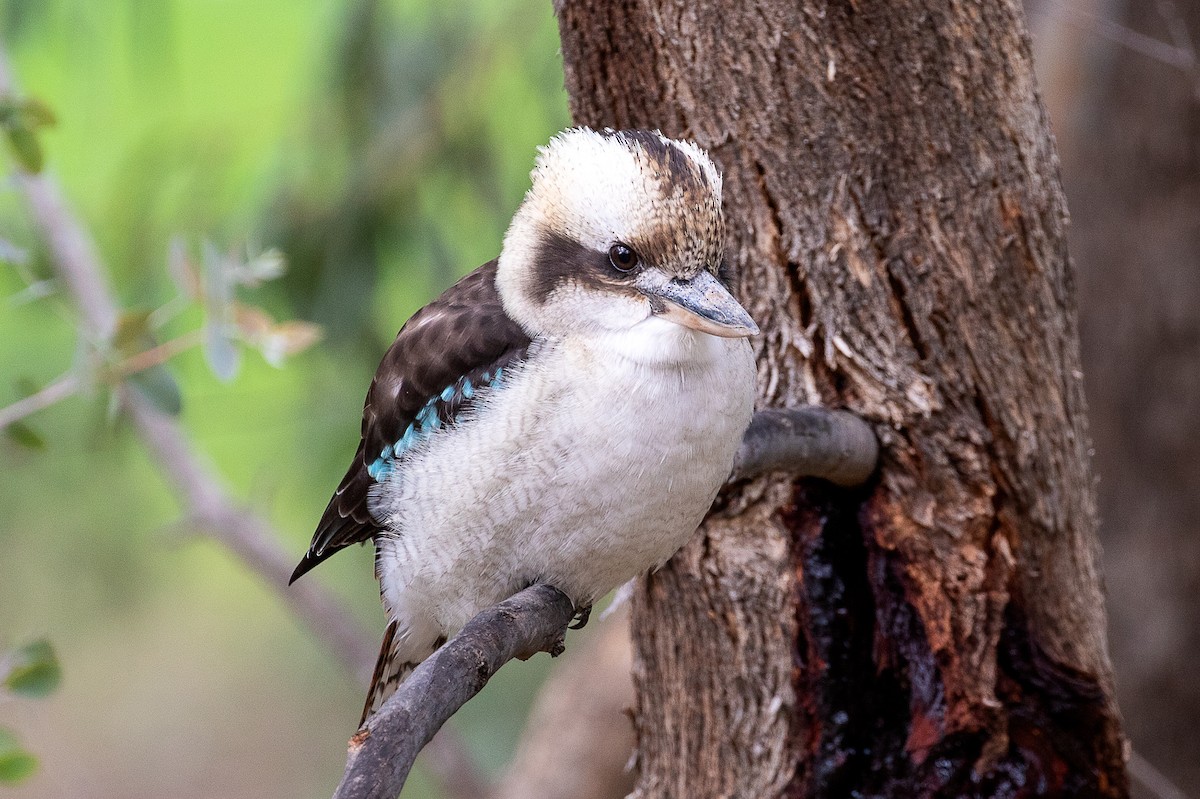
<point x="581" y="618"/>
<point x="556" y="648"/>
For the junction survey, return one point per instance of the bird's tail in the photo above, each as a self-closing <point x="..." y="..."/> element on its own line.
<point x="398" y="656"/>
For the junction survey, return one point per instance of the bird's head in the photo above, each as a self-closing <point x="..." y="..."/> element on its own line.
<point x="618" y="228"/>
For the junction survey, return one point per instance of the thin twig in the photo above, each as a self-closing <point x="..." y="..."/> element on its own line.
<point x="1153" y="780"/>
<point x="204" y="497"/>
<point x="1181" y="54"/>
<point x="157" y="355"/>
<point x="57" y="391"/>
<point x="382" y="753"/>
<point x="70" y="383"/>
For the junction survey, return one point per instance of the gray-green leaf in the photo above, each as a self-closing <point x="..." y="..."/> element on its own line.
<point x="159" y="386"/>
<point x="15" y="763"/>
<point x="21" y="433"/>
<point x="33" y="670"/>
<point x="219" y="348"/>
<point x="26" y="148"/>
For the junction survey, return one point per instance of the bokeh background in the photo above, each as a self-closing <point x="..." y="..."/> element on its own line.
<point x="382" y="146"/>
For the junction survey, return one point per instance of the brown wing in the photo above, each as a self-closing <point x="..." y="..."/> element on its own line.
<point x="442" y="359"/>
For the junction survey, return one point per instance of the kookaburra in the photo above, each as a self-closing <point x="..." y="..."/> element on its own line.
<point x="564" y="414"/>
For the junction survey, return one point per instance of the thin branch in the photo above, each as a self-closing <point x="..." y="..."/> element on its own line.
<point x="57" y="391"/>
<point x="75" y="261"/>
<point x="1153" y="780"/>
<point x="382" y="753"/>
<point x="1180" y="55"/>
<point x="70" y="383"/>
<point x="157" y="355"/>
<point x="246" y="534"/>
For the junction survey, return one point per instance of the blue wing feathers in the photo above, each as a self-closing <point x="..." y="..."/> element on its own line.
<point x="442" y="359"/>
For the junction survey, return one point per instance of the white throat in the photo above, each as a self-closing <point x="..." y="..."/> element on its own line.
<point x="655" y="341"/>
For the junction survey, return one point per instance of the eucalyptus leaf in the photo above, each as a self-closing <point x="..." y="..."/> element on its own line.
<point x="263" y="267"/>
<point x="33" y="670"/>
<point x="220" y="351"/>
<point x="160" y="388"/>
<point x="182" y="270"/>
<point x="26" y="148"/>
<point x="23" y="434"/>
<point x="133" y="331"/>
<point x="219" y="348"/>
<point x="37" y="114"/>
<point x="16" y="765"/>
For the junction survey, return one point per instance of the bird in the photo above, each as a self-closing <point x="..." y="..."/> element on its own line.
<point x="566" y="413"/>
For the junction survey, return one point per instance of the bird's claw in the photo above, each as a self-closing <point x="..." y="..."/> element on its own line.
<point x="581" y="618"/>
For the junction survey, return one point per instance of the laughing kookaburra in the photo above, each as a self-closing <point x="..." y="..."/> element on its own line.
<point x="564" y="414"/>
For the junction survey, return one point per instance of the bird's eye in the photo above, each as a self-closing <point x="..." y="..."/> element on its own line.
<point x="622" y="258"/>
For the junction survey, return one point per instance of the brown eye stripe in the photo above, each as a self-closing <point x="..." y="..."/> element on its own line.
<point x="559" y="260"/>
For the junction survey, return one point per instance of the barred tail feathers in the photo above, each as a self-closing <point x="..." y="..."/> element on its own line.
<point x="399" y="654"/>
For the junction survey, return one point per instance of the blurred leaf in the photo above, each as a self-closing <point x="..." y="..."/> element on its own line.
<point x="220" y="352"/>
<point x="11" y="253"/>
<point x="33" y="670"/>
<point x="20" y="120"/>
<point x="25" y="147"/>
<point x="21" y="433"/>
<point x="16" y="765"/>
<point x="258" y="270"/>
<point x="252" y="322"/>
<point x="160" y="387"/>
<point x="37" y="114"/>
<point x="35" y="291"/>
<point x="287" y="339"/>
<point x="133" y="331"/>
<point x="219" y="349"/>
<point x="276" y="341"/>
<point x="183" y="269"/>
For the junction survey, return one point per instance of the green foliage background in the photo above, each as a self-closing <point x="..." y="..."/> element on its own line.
<point x="382" y="145"/>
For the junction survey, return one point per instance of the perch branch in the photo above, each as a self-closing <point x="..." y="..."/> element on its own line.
<point x="808" y="442"/>
<point x="382" y="753"/>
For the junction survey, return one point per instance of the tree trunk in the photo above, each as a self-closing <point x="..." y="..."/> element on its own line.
<point x="896" y="215"/>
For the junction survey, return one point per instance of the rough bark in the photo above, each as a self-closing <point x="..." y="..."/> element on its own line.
<point x="896" y="215"/>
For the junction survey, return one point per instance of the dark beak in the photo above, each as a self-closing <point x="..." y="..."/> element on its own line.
<point x="701" y="303"/>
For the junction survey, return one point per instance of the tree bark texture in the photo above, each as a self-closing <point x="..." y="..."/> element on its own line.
<point x="897" y="222"/>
